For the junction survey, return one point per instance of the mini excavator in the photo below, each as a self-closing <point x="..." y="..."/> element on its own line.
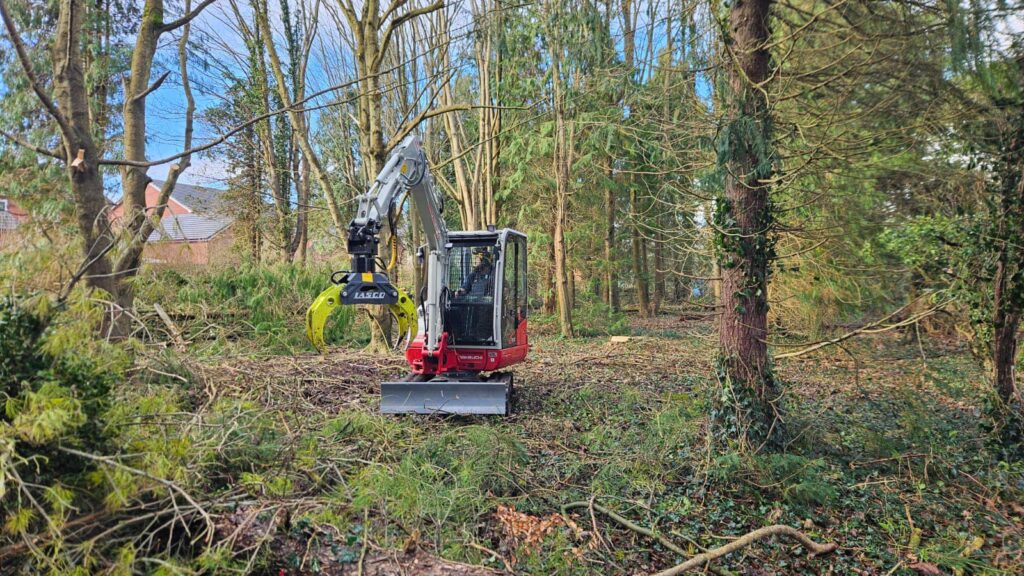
<point x="468" y="322"/>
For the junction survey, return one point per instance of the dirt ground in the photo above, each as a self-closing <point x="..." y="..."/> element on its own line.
<point x="887" y="429"/>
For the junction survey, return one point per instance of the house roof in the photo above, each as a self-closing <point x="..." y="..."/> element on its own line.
<point x="188" y="228"/>
<point x="196" y="198"/>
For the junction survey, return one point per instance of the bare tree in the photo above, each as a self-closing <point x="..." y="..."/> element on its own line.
<point x="104" y="266"/>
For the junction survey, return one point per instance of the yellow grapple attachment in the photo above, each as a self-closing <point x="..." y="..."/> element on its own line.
<point x="404" y="312"/>
<point x="317" y="315"/>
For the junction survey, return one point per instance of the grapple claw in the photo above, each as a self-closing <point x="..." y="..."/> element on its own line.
<point x="317" y="315"/>
<point x="404" y="311"/>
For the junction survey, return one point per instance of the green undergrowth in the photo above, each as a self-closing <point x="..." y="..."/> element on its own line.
<point x="589" y="318"/>
<point x="259" y="307"/>
<point x="886" y="456"/>
<point x="442" y="486"/>
<point x="892" y="465"/>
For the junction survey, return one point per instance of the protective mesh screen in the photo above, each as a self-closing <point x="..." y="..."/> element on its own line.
<point x="471" y="279"/>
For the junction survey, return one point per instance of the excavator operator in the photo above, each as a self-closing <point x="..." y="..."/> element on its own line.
<point x="479" y="282"/>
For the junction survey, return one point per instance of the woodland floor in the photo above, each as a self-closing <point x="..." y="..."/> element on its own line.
<point x="887" y="459"/>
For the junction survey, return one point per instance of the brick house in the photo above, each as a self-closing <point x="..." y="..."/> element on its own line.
<point x="11" y="217"/>
<point x="195" y="229"/>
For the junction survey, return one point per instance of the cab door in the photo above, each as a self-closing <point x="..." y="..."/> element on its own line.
<point x="513" y="297"/>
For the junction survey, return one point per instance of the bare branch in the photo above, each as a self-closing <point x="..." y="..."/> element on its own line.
<point x="296" y="106"/>
<point x="153" y="87"/>
<point x="188" y="17"/>
<point x="746" y="540"/>
<point x="871" y="328"/>
<point x="426" y="113"/>
<point x="431" y="112"/>
<point x="395" y="5"/>
<point x="397" y="22"/>
<point x="171" y="486"/>
<point x="37" y="149"/>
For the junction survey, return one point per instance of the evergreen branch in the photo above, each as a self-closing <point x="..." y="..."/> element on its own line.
<point x="33" y="80"/>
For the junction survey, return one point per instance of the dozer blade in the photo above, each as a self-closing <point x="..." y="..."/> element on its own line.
<point x="447" y="396"/>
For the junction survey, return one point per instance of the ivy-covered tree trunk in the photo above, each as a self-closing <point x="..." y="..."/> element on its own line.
<point x="750" y="407"/>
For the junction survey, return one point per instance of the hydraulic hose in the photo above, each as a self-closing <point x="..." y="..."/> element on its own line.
<point x="394" y="253"/>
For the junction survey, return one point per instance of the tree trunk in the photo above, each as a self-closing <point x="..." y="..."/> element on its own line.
<point x="372" y="38"/>
<point x="252" y="208"/>
<point x="561" y="282"/>
<point x="549" y="278"/>
<point x="743" y="220"/>
<point x="643" y="299"/>
<point x="72" y="113"/>
<point x="611" y="289"/>
<point x="298" y="120"/>
<point x="610" y="292"/>
<point x="1006" y="324"/>
<point x="302" y="216"/>
<point x="86" y="181"/>
<point x="659" y="273"/>
<point x="562" y="164"/>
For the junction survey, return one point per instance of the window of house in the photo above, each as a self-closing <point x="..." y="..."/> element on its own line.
<point x="3" y="205"/>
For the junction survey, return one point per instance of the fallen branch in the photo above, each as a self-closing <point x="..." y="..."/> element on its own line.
<point x="628" y="524"/>
<point x="171" y="486"/>
<point x="179" y="340"/>
<point x="638" y="529"/>
<point x="871" y="328"/>
<point x="746" y="540"/>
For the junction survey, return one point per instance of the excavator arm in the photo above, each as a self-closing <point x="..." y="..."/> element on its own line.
<point x="406" y="171"/>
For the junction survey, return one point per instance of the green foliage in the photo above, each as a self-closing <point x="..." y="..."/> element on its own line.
<point x="44" y="415"/>
<point x="262" y="303"/>
<point x="242" y="438"/>
<point x="642" y="443"/>
<point x="57" y="385"/>
<point x="595" y="318"/>
<point x="448" y="480"/>
<point x="746" y="415"/>
<point x="57" y="378"/>
<point x="800" y="481"/>
<point x="1004" y="421"/>
<point x="20" y="330"/>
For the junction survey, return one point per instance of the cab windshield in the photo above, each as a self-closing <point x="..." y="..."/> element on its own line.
<point x="472" y="278"/>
